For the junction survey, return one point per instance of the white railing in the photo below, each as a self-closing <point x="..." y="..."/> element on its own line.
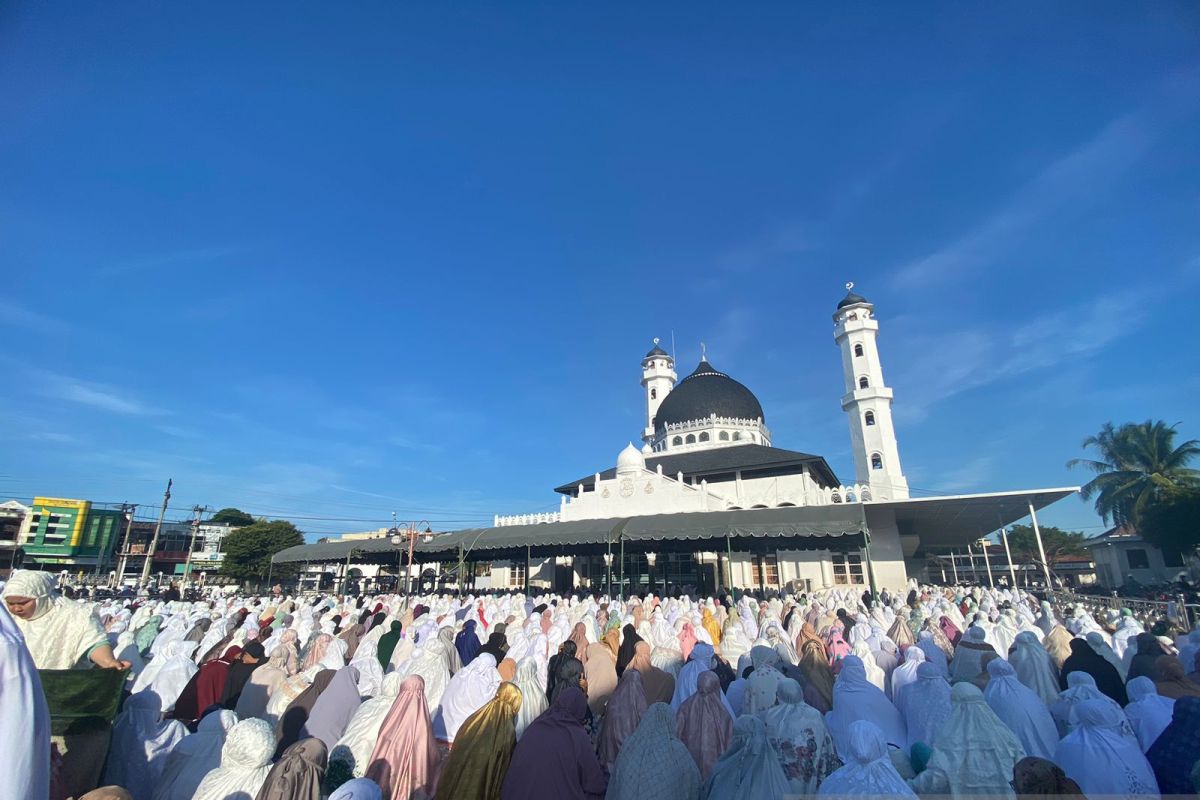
<point x="500" y="521"/>
<point x="855" y="493"/>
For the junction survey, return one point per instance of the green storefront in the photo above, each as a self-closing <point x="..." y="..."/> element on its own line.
<point x="71" y="534"/>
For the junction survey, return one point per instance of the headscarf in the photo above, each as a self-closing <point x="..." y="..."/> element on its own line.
<point x="168" y="673"/>
<point x="298" y="774"/>
<point x="1177" y="749"/>
<point x="1037" y="777"/>
<point x="1021" y="710"/>
<point x="570" y="673"/>
<point x="1148" y="712"/>
<point x="868" y="770"/>
<point x="555" y="757"/>
<point x="483" y="748"/>
<point x="924" y="704"/>
<point x="705" y="724"/>
<point x="798" y="734"/>
<point x="1097" y="641"/>
<point x="1034" y="667"/>
<point x="332" y="712"/>
<point x="1084" y="659"/>
<point x="405" y="757"/>
<point x="1172" y="681"/>
<point x="854" y="697"/>
<point x="814" y="668"/>
<point x="387" y="644"/>
<point x="1102" y="760"/>
<point x="358" y="789"/>
<point x="467" y="642"/>
<point x="497" y="644"/>
<point x="968" y="655"/>
<point x="245" y="762"/>
<point x="654" y="756"/>
<point x="295" y="716"/>
<point x="685" y="686"/>
<point x="468" y="691"/>
<point x="748" y="768"/>
<point x="194" y="757"/>
<point x="1146" y="661"/>
<point x="240" y="672"/>
<point x="622" y="715"/>
<point x="205" y="687"/>
<point x="974" y="749"/>
<point x="906" y="673"/>
<point x="625" y="652"/>
<point x="601" y="674"/>
<point x="1058" y="645"/>
<point x="1080" y="687"/>
<point x="450" y="652"/>
<point x="140" y="744"/>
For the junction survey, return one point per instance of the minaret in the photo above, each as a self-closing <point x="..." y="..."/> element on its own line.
<point x="658" y="377"/>
<point x="868" y="401"/>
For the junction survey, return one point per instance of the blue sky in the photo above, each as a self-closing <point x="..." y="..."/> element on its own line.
<point x="330" y="261"/>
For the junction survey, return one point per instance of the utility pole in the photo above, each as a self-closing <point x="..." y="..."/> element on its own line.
<point x="131" y="510"/>
<point x="198" y="511"/>
<point x="157" y="528"/>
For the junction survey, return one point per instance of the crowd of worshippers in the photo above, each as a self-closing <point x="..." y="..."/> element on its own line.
<point x="930" y="691"/>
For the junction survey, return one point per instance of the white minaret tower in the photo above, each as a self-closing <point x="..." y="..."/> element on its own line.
<point x="867" y="400"/>
<point x="658" y="377"/>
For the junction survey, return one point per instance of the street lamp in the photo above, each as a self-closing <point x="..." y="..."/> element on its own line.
<point x="608" y="573"/>
<point x="651" y="558"/>
<point x="408" y="534"/>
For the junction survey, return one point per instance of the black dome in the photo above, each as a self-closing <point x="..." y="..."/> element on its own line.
<point x="850" y="299"/>
<point x="656" y="351"/>
<point x="706" y="392"/>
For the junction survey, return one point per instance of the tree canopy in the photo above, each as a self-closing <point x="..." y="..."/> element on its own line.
<point x="248" y="550"/>
<point x="1172" y="522"/>
<point x="1057" y="542"/>
<point x="1137" y="463"/>
<point x="231" y="516"/>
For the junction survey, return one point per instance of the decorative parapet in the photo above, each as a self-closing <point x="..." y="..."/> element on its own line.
<point x="710" y="421"/>
<point x="855" y="493"/>
<point x="525" y="519"/>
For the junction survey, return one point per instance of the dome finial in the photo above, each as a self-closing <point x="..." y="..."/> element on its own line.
<point x="703" y="352"/>
<point x="656" y="340"/>
<point x="849" y="285"/>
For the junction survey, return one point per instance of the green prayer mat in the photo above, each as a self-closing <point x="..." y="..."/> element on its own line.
<point x="82" y="700"/>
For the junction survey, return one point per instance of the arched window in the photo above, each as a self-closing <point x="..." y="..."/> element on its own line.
<point x="677" y="440"/>
<point x="865" y="495"/>
<point x="737" y="436"/>
<point x="691" y="439"/>
<point x="837" y="498"/>
<point x="876" y="461"/>
<point x="654" y="394"/>
<point x="704" y="437"/>
<point x="869" y="418"/>
<point x="723" y="436"/>
<point x="858" y="349"/>
<point x="863" y="383"/>
<point x="850" y="497"/>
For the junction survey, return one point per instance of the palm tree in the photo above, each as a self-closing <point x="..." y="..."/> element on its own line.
<point x="1138" y="461"/>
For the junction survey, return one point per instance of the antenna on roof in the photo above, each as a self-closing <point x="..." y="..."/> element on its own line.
<point x="673" y="346"/>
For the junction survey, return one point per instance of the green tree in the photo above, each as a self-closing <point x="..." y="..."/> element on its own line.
<point x="1137" y="462"/>
<point x="231" y="516"/>
<point x="1058" y="543"/>
<point x="248" y="550"/>
<point x="1172" y="521"/>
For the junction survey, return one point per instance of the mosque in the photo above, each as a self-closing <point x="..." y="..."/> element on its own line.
<point x="708" y="501"/>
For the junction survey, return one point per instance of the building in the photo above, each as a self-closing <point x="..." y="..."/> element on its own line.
<point x="1120" y="554"/>
<point x="12" y="521"/>
<point x="61" y="533"/>
<point x="708" y="501"/>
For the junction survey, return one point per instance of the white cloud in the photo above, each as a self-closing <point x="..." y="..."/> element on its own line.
<point x="95" y="395"/>
<point x="178" y="258"/>
<point x="21" y="317"/>
<point x="972" y="475"/>
<point x="1070" y="181"/>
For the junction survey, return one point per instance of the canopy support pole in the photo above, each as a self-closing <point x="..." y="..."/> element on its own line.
<point x="526" y="570"/>
<point x="1037" y="534"/>
<point x="983" y="545"/>
<point x="621" y="573"/>
<point x="1012" y="572"/>
<point x="729" y="565"/>
<point x="270" y="570"/>
<point x="866" y="531"/>
<point x="954" y="565"/>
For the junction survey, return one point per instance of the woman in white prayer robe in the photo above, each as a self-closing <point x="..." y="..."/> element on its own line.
<point x="140" y="744"/>
<point x="1148" y="712"/>
<point x="1080" y="687"/>
<point x="1099" y="643"/>
<point x="1102" y="760"/>
<point x="854" y="698"/>
<point x="906" y="673"/>
<point x="875" y="673"/>
<point x="429" y="662"/>
<point x="174" y="673"/>
<point x="974" y="750"/>
<point x="533" y="696"/>
<point x="801" y="741"/>
<point x="352" y="752"/>
<point x="194" y="757"/>
<point x="245" y="763"/>
<point x="868" y="768"/>
<point x="468" y="691"/>
<point x="1034" y="666"/>
<point x="1021" y="710"/>
<point x="24" y="717"/>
